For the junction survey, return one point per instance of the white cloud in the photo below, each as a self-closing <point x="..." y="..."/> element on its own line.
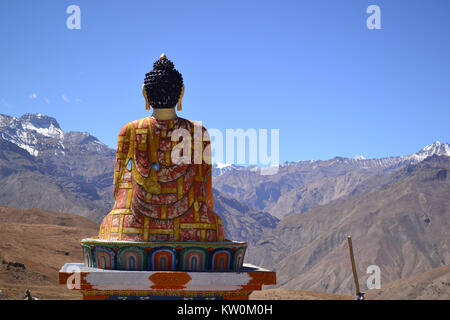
<point x="46" y="100"/>
<point x="64" y="98"/>
<point x="78" y="100"/>
<point x="33" y="96"/>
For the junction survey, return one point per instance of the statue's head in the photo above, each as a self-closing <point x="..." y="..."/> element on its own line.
<point x="163" y="86"/>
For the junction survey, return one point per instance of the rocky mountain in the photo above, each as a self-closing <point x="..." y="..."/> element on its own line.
<point x="403" y="227"/>
<point x="243" y="223"/>
<point x="41" y="135"/>
<point x="299" y="186"/>
<point x="296" y="221"/>
<point x="41" y="166"/>
<point x="220" y="168"/>
<point x="81" y="169"/>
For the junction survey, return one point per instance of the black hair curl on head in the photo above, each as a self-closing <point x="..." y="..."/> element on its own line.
<point x="163" y="84"/>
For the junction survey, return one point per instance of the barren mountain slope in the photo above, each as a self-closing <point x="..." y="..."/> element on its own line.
<point x="34" y="245"/>
<point x="403" y="228"/>
<point x="430" y="285"/>
<point x="242" y="223"/>
<point x="299" y="186"/>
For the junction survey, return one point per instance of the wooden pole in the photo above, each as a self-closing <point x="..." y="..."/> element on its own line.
<point x="352" y="259"/>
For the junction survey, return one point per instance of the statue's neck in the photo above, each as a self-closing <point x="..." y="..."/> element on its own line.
<point x="164" y="114"/>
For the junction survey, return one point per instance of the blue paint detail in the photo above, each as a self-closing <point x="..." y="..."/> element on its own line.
<point x="220" y="251"/>
<point x="204" y="181"/>
<point x="111" y="254"/>
<point x="155" y="166"/>
<point x="178" y="256"/>
<point x="174" y="258"/>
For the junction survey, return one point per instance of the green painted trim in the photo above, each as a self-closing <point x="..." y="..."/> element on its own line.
<point x="175" y="244"/>
<point x="117" y="249"/>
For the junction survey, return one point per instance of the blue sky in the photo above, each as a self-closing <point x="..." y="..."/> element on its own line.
<point x="311" y="69"/>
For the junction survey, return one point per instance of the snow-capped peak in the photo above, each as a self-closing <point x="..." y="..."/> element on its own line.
<point x="219" y="168"/>
<point x="41" y="135"/>
<point x="42" y="124"/>
<point x="51" y="131"/>
<point x="359" y="157"/>
<point x="5" y="120"/>
<point x="31" y="132"/>
<point x="437" y="148"/>
<point x="220" y="165"/>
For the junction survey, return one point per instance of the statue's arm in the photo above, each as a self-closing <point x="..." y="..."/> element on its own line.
<point x="208" y="168"/>
<point x="209" y="194"/>
<point x="123" y="145"/>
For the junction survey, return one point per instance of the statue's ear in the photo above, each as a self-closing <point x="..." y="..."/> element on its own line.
<point x="179" y="106"/>
<point x="144" y="93"/>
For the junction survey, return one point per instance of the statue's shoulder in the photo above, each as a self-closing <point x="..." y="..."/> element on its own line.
<point x="140" y="123"/>
<point x="184" y="123"/>
<point x="132" y="124"/>
<point x="191" y="124"/>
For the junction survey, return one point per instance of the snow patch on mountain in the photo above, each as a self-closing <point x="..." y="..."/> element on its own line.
<point x="39" y="134"/>
<point x="219" y="168"/>
<point x="437" y="148"/>
<point x="220" y="165"/>
<point x="358" y="161"/>
<point x="51" y="131"/>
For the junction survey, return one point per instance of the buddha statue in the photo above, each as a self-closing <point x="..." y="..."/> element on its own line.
<point x="163" y="216"/>
<point x="159" y="198"/>
<point x="162" y="233"/>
